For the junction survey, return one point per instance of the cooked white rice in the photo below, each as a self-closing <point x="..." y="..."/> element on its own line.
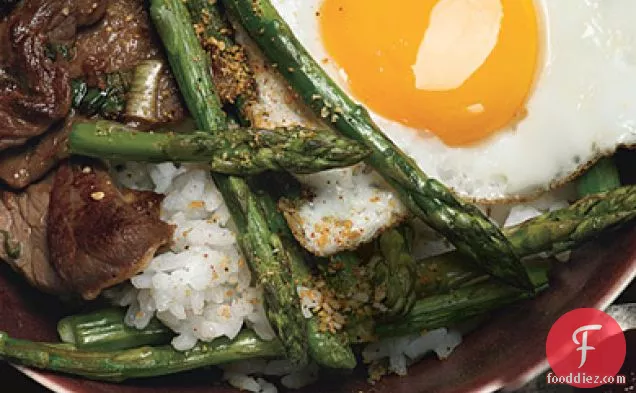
<point x="200" y="288"/>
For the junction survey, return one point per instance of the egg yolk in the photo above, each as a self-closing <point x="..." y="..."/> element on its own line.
<point x="461" y="69"/>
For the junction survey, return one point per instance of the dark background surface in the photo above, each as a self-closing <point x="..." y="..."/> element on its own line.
<point x="14" y="381"/>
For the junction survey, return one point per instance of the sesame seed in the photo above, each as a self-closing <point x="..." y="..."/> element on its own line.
<point x="98" y="195"/>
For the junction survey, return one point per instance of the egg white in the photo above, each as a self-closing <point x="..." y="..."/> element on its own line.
<point x="581" y="108"/>
<point x="579" y="111"/>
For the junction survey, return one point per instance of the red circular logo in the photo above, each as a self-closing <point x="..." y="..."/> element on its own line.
<point x="585" y="348"/>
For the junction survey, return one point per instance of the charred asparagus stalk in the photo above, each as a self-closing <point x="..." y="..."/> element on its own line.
<point x="463" y="224"/>
<point x="551" y="233"/>
<point x="329" y="350"/>
<point x="342" y="272"/>
<point x="189" y="63"/>
<point x="135" y="363"/>
<point x="232" y="75"/>
<point x="142" y="362"/>
<point x="232" y="152"/>
<point x="428" y="313"/>
<point x="563" y="229"/>
<point x="326" y="348"/>
<point x="393" y="273"/>
<point x="460" y="305"/>
<point x="260" y="246"/>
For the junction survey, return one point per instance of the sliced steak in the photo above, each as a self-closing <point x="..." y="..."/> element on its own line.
<point x="26" y="164"/>
<point x="99" y="237"/>
<point x="23" y="222"/>
<point x="121" y="40"/>
<point x="35" y="91"/>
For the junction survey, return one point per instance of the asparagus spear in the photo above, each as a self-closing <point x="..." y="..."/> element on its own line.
<point x="463" y="224"/>
<point x="260" y="246"/>
<point x="563" y="229"/>
<point x="471" y="291"/>
<point x="552" y="233"/>
<point x="142" y="362"/>
<point x="326" y="348"/>
<point x="104" y="330"/>
<point x="135" y="363"/>
<point x="601" y="177"/>
<point x="428" y="313"/>
<point x="262" y="249"/>
<point x="444" y="273"/>
<point x="460" y="305"/>
<point x="342" y="272"/>
<point x="393" y="273"/>
<point x="189" y="62"/>
<point x="235" y="152"/>
<point x="231" y="72"/>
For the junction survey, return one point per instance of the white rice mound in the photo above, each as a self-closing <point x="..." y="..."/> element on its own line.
<point x="201" y="287"/>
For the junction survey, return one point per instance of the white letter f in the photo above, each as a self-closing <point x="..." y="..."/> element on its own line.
<point x="584" y="347"/>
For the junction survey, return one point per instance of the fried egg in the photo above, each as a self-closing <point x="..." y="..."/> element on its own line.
<point x="498" y="99"/>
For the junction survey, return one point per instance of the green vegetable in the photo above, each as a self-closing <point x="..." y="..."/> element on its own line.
<point x="104" y="330"/>
<point x="189" y="63"/>
<point x="142" y="98"/>
<point x="444" y="273"/>
<point x="461" y="305"/>
<point x="393" y="273"/>
<point x="108" y="102"/>
<point x="342" y="272"/>
<point x="233" y="152"/>
<point x="463" y="224"/>
<point x="232" y="75"/>
<point x="260" y="246"/>
<point x="551" y="233"/>
<point x="11" y="248"/>
<point x="601" y="177"/>
<point x="563" y="229"/>
<point x="326" y="348"/>
<point x="141" y="362"/>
